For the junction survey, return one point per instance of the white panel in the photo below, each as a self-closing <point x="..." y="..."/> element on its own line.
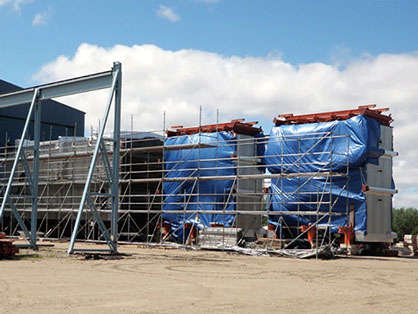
<point x="379" y="222"/>
<point x="379" y="206"/>
<point x="380" y="175"/>
<point x="386" y="139"/>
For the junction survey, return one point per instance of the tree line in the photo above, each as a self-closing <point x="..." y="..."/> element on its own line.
<point x="404" y="221"/>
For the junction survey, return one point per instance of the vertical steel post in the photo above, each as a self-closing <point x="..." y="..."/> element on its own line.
<point x="35" y="171"/>
<point x="162" y="164"/>
<point x="116" y="152"/>
<point x="6" y="197"/>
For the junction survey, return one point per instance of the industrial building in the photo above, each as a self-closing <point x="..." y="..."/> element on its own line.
<point x="57" y="119"/>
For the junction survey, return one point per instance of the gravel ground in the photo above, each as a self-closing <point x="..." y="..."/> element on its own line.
<point x="156" y="280"/>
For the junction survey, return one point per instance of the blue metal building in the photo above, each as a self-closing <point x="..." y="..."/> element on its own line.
<point x="57" y="119"/>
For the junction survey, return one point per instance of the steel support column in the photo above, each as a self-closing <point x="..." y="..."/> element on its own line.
<point x="35" y="171"/>
<point x="32" y="177"/>
<point x="86" y="197"/>
<point x="116" y="161"/>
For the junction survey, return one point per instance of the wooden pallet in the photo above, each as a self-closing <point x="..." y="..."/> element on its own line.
<point x="269" y="243"/>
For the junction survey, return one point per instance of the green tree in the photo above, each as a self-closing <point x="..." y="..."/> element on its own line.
<point x="405" y="221"/>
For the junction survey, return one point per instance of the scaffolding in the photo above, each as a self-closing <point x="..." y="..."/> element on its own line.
<point x="143" y="201"/>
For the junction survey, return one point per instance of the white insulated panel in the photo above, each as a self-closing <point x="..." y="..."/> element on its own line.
<point x="379" y="205"/>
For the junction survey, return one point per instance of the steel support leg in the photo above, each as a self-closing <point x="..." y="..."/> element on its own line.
<point x="115" y="161"/>
<point x="35" y="172"/>
<point x="86" y="191"/>
<point x="6" y="197"/>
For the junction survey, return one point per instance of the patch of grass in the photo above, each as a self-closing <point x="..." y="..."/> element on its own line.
<point x="33" y="256"/>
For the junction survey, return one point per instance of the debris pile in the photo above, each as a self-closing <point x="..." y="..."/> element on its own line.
<point x="7" y="248"/>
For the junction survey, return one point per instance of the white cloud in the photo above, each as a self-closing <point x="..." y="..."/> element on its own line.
<point x="167" y="13"/>
<point x="179" y="82"/>
<point x="14" y="3"/>
<point x="38" y="20"/>
<point x="42" y="18"/>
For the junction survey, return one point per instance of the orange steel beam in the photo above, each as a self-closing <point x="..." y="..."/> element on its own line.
<point x="311" y="233"/>
<point x="348" y="233"/>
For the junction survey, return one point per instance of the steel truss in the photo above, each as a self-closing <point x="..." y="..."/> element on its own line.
<point x="105" y="80"/>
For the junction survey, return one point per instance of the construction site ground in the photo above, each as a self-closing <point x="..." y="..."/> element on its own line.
<point x="161" y="280"/>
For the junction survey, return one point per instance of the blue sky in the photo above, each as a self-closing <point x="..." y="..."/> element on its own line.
<point x="252" y="59"/>
<point x="300" y="31"/>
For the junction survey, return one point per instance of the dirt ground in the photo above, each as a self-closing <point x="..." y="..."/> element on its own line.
<point x="153" y="280"/>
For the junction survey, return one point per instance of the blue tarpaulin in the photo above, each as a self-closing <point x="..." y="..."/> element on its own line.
<point x="195" y="194"/>
<point x="321" y="147"/>
<point x="320" y="150"/>
<point x="298" y="194"/>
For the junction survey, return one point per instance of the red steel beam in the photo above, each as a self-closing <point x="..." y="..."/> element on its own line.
<point x="366" y="110"/>
<point x="237" y="125"/>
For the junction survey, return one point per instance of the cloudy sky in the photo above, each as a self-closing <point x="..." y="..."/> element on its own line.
<point x="252" y="59"/>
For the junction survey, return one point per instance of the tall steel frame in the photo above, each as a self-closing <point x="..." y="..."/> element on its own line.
<point x="110" y="79"/>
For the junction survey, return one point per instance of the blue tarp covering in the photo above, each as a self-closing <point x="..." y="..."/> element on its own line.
<point x="288" y="194"/>
<point x="323" y="152"/>
<point x="314" y="138"/>
<point x="213" y="194"/>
